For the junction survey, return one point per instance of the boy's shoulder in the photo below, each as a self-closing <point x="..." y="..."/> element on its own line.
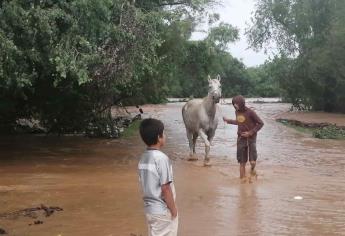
<point x="161" y="156"/>
<point x="154" y="155"/>
<point x="251" y="110"/>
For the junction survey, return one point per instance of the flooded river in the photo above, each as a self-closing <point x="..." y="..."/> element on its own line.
<point x="95" y="182"/>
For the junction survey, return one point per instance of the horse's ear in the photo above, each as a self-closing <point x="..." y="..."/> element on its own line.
<point x="209" y="78"/>
<point x="218" y="78"/>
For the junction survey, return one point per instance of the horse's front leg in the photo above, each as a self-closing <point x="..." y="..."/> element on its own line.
<point x="192" y="156"/>
<point x="204" y="137"/>
<point x="210" y="135"/>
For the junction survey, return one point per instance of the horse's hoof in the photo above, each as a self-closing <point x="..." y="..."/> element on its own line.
<point x="192" y="158"/>
<point x="207" y="163"/>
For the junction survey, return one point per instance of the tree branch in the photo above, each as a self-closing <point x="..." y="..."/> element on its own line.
<point x="172" y="3"/>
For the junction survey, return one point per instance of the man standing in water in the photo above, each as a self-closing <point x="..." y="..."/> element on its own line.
<point x="156" y="179"/>
<point x="249" y="123"/>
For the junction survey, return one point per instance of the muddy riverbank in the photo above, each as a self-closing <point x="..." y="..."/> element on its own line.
<point x="95" y="182"/>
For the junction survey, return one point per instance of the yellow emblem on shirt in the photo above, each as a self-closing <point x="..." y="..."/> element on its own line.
<point x="241" y="118"/>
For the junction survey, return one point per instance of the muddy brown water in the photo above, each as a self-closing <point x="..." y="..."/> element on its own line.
<point x="95" y="182"/>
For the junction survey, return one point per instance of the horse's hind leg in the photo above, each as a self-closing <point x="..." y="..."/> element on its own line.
<point x="195" y="136"/>
<point x="191" y="146"/>
<point x="207" y="147"/>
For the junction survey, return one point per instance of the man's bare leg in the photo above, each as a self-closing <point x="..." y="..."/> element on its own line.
<point x="243" y="171"/>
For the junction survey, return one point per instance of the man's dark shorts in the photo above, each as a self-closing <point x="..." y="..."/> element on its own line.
<point x="244" y="147"/>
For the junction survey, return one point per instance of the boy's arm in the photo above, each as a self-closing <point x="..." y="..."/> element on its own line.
<point x="229" y="121"/>
<point x="165" y="179"/>
<point x="258" y="123"/>
<point x="169" y="199"/>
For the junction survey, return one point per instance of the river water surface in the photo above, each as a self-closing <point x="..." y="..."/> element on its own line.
<point x="95" y="182"/>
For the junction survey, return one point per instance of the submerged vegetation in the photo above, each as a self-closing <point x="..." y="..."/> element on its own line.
<point x="330" y="132"/>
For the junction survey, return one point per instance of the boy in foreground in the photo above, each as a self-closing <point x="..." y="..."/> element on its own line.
<point x="156" y="179"/>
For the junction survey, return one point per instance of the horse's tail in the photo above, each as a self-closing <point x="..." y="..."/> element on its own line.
<point x="184" y="110"/>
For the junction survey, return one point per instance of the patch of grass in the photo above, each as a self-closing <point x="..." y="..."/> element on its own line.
<point x="131" y="130"/>
<point x="329" y="132"/>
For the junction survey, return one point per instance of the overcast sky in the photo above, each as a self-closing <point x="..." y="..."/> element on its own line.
<point x="238" y="13"/>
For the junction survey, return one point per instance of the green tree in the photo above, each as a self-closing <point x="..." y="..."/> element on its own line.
<point x="65" y="63"/>
<point x="309" y="35"/>
<point x="264" y="79"/>
<point x="186" y="64"/>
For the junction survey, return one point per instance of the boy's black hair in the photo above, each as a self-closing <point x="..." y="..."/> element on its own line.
<point x="150" y="130"/>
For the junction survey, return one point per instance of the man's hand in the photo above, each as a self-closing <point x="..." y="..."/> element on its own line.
<point x="246" y="134"/>
<point x="225" y="120"/>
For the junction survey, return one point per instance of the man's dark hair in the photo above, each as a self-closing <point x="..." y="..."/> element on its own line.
<point x="150" y="130"/>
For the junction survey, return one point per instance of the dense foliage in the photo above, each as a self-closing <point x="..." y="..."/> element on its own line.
<point x="65" y="63"/>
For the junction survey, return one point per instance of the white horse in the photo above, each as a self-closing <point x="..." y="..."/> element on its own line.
<point x="199" y="116"/>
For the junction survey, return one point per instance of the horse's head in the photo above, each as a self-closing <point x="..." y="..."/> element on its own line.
<point x="214" y="88"/>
